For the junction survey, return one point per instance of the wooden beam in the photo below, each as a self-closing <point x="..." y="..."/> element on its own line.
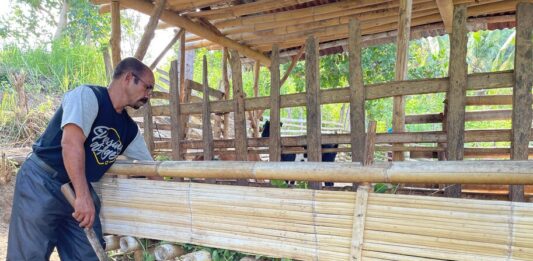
<point x="522" y="113"/>
<point x="190" y="26"/>
<point x="370" y="143"/>
<point x="458" y="72"/>
<point x="255" y="114"/>
<point x="245" y="9"/>
<point x="446" y="12"/>
<point x="274" y="145"/>
<point x="207" y="131"/>
<point x="149" y="30"/>
<point x="199" y="88"/>
<point x="489" y="100"/>
<point x="239" y="119"/>
<point x="171" y="43"/>
<point x="148" y="127"/>
<point x="115" y="32"/>
<point x="357" y="93"/>
<point x="294" y="60"/>
<point x="402" y="54"/>
<point x="174" y="103"/>
<point x="476" y="81"/>
<point x="312" y="87"/>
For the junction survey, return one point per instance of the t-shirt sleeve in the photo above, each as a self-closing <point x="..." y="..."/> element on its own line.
<point x="80" y="107"/>
<point x="137" y="149"/>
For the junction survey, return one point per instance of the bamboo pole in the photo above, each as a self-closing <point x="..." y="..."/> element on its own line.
<point x="241" y="141"/>
<point x="458" y="72"/>
<point x="464" y="172"/>
<point x="312" y="86"/>
<point x="359" y="220"/>
<point x="149" y="30"/>
<point x="522" y="112"/>
<point x="275" y="136"/>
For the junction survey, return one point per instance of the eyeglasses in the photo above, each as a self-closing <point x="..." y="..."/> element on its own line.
<point x="148" y="87"/>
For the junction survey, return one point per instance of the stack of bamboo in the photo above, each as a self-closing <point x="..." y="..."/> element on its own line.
<point x="411" y="227"/>
<point x="317" y="225"/>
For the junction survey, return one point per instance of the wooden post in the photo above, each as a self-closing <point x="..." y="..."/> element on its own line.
<point x="255" y="114"/>
<point x="148" y="127"/>
<point x="149" y="30"/>
<point x="370" y="143"/>
<point x="455" y="119"/>
<point x="522" y="91"/>
<point x="274" y="147"/>
<point x="182" y="65"/>
<point x="225" y="81"/>
<point x="357" y="93"/>
<point x="108" y="64"/>
<point x="241" y="141"/>
<point x="115" y="32"/>
<point x="175" y="127"/>
<point x="402" y="54"/>
<point x="207" y="132"/>
<point x="168" y="47"/>
<point x="312" y="86"/>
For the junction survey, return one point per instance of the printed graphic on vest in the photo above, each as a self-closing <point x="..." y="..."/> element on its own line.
<point x="105" y="145"/>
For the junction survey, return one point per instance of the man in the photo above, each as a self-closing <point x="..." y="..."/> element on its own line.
<point x="83" y="139"/>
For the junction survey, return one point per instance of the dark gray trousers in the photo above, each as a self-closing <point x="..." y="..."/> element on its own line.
<point x="41" y="218"/>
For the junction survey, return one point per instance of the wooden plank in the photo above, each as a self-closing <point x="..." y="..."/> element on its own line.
<point x="175" y="126"/>
<point x="522" y="90"/>
<point x="200" y="88"/>
<point x="255" y="114"/>
<point x="241" y="141"/>
<point x="149" y="30"/>
<point x="359" y="219"/>
<point x="476" y="81"/>
<point x="245" y="9"/>
<point x="357" y="93"/>
<point x="274" y="145"/>
<point x="171" y="43"/>
<point x="489" y="100"/>
<point x="381" y="138"/>
<point x="446" y="12"/>
<point x="402" y="54"/>
<point x="115" y="32"/>
<point x="195" y="28"/>
<point x="455" y="119"/>
<point x="312" y="87"/>
<point x="491" y="115"/>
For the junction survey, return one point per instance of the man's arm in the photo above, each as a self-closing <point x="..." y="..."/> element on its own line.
<point x="74" y="160"/>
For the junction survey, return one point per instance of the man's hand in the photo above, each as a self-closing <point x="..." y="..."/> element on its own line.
<point x="84" y="211"/>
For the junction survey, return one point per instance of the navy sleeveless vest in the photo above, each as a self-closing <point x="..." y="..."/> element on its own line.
<point x="110" y="135"/>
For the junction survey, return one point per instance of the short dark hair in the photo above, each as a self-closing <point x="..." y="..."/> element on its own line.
<point x="130" y="64"/>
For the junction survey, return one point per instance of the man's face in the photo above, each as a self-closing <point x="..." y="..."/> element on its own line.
<point x="141" y="88"/>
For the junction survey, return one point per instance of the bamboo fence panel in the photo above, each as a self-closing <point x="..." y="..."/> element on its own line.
<point x="317" y="225"/>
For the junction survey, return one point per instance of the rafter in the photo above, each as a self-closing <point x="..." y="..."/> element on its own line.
<point x="446" y="12"/>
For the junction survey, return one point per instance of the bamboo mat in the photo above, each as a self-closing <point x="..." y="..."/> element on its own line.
<point x="316" y="225"/>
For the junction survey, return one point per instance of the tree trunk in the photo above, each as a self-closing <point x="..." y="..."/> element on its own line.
<point x="63" y="19"/>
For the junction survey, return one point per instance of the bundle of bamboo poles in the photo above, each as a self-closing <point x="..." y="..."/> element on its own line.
<point x="298" y="224"/>
<point x="442" y="172"/>
<point x="447" y="229"/>
<point x="317" y="225"/>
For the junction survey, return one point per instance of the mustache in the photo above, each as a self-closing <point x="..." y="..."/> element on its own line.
<point x="144" y="100"/>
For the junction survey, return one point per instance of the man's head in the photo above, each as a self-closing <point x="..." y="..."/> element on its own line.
<point x="136" y="79"/>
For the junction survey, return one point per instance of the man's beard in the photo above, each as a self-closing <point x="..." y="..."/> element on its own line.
<point x="140" y="103"/>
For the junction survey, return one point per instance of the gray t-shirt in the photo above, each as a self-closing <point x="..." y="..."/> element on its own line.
<point x="80" y="107"/>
